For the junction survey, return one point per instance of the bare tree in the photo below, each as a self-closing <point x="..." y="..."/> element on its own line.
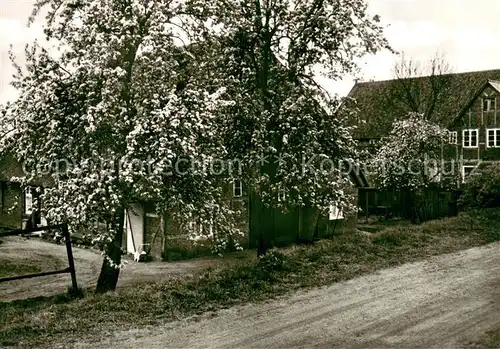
<point x="421" y="87"/>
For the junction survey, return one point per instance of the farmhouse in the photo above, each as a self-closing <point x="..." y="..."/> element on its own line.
<point x="304" y="224"/>
<point x="146" y="231"/>
<point x="467" y="104"/>
<point x="475" y="131"/>
<point x="18" y="207"/>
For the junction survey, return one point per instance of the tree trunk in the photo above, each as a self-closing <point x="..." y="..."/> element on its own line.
<point x="109" y="274"/>
<point x="265" y="226"/>
<point x="266" y="216"/>
<point x="415" y="207"/>
<point x="165" y="219"/>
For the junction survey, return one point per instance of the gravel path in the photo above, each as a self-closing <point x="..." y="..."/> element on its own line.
<point x="439" y="303"/>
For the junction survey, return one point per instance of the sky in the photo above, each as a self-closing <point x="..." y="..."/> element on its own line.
<point x="464" y="32"/>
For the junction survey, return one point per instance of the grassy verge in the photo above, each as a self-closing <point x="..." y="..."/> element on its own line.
<point x="180" y="248"/>
<point x="489" y="340"/>
<point x="11" y="268"/>
<point x="493" y="339"/>
<point x="39" y="321"/>
<point x="35" y="263"/>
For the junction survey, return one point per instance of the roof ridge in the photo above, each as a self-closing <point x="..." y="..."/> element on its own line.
<point x="379" y="105"/>
<point x="428" y="76"/>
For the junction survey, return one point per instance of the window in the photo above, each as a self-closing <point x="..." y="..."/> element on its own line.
<point x="452" y="137"/>
<point x="466" y="172"/>
<point x="470" y="138"/>
<point x="335" y="213"/>
<point x="237" y="189"/>
<point x="493" y="137"/>
<point x="489" y="103"/>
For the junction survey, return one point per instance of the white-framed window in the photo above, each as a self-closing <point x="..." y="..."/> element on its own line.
<point x="470" y="138"/>
<point x="489" y="103"/>
<point x="237" y="189"/>
<point x="335" y="213"/>
<point x="467" y="171"/>
<point x="452" y="137"/>
<point x="493" y="137"/>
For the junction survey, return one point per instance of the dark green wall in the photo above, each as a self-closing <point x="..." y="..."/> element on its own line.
<point x="12" y="196"/>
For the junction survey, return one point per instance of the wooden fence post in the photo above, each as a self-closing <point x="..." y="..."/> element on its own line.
<point x="70" y="257"/>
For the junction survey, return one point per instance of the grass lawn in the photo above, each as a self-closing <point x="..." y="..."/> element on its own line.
<point x="37" y="322"/>
<point x="12" y="268"/>
<point x="23" y="264"/>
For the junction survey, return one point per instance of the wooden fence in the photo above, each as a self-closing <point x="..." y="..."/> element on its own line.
<point x="71" y="264"/>
<point x="432" y="203"/>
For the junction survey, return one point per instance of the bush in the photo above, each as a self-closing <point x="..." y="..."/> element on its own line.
<point x="482" y="188"/>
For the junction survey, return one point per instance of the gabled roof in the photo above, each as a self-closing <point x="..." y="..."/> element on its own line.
<point x="10" y="167"/>
<point x="380" y="102"/>
<point x="495" y="84"/>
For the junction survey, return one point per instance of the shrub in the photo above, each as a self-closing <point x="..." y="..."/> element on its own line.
<point x="482" y="188"/>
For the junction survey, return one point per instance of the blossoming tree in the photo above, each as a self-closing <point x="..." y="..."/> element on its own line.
<point x="287" y="129"/>
<point x="114" y="118"/>
<point x="410" y="158"/>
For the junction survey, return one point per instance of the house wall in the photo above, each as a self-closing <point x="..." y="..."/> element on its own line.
<point x="296" y="225"/>
<point x="302" y="224"/>
<point x="170" y="232"/>
<point x="153" y="234"/>
<point x="476" y="118"/>
<point x="11" y="205"/>
<point x="351" y="220"/>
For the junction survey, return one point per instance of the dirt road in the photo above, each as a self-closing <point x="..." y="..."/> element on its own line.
<point x="439" y="303"/>
<point x="87" y="264"/>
